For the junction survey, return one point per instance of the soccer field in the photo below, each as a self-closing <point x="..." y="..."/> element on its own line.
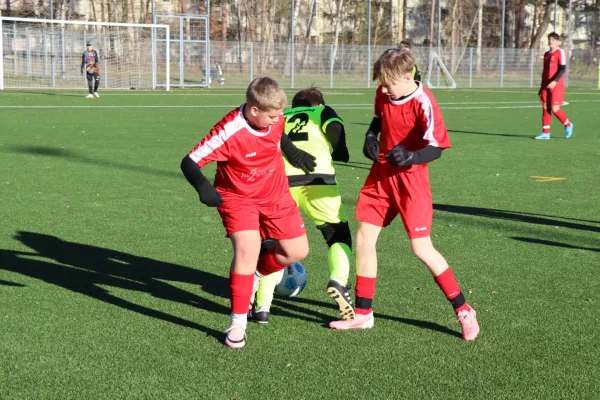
<point x="113" y="276"/>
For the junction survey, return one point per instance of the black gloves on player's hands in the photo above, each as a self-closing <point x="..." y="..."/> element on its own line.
<point x="371" y="147"/>
<point x="297" y="157"/>
<point x="399" y="156"/>
<point x="301" y="159"/>
<point x="341" y="154"/>
<point x="208" y="194"/>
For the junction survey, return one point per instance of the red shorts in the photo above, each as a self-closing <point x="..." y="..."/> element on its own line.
<point x="279" y="221"/>
<point x="554" y="97"/>
<point x="388" y="192"/>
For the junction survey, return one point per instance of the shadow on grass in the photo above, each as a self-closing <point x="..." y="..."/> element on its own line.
<point x="493" y="134"/>
<point x="513" y="216"/>
<point x="84" y="92"/>
<point x="408" y="321"/>
<point x="7" y="283"/>
<point x="72" y="156"/>
<point x="85" y="269"/>
<point x="354" y="164"/>
<point x="551" y="243"/>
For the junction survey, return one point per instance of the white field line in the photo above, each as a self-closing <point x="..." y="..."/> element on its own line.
<point x="445" y="106"/>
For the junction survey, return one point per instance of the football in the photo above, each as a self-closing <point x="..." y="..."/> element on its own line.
<point x="293" y="281"/>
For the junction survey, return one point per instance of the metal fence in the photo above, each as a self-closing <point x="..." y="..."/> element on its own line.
<point x="315" y="64"/>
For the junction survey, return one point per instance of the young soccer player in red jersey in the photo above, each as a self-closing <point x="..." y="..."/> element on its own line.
<point x="251" y="192"/>
<point x="552" y="90"/>
<point x="412" y="134"/>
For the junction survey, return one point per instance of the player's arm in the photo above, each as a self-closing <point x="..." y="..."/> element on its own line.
<point x="297" y="157"/>
<point x="95" y="58"/>
<point x="82" y="62"/>
<point x="436" y="134"/>
<point x="371" y="145"/>
<point x="335" y="133"/>
<point x="207" y="192"/>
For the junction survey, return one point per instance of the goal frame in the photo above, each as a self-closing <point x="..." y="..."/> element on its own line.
<point x="80" y="22"/>
<point x="435" y="56"/>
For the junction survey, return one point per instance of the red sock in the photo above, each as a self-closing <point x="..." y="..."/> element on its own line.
<point x="546" y="120"/>
<point x="562" y="117"/>
<point x="365" y="292"/>
<point x="449" y="286"/>
<point x="268" y="263"/>
<point x="240" y="291"/>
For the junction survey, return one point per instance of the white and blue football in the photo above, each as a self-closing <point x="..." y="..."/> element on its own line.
<point x="293" y="281"/>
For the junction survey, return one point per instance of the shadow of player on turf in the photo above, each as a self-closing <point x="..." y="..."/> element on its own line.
<point x="326" y="318"/>
<point x="86" y="269"/>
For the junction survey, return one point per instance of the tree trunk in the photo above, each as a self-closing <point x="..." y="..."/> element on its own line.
<point x="541" y="29"/>
<point x="479" y="34"/>
<point x="338" y="29"/>
<point x="378" y="18"/>
<point x="431" y="27"/>
<point x="307" y="38"/>
<point x="292" y="34"/>
<point x="454" y="36"/>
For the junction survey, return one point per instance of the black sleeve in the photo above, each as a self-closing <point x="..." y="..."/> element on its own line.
<point x="336" y="134"/>
<point x="192" y="172"/>
<point x="96" y="57"/>
<point x="427" y="154"/>
<point x="562" y="69"/>
<point x="82" y="60"/>
<point x="375" y="126"/>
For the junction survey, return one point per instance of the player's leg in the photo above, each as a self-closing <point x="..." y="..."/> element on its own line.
<point x="416" y="210"/>
<point x="374" y="211"/>
<point x="96" y="84"/>
<point x="261" y="303"/>
<point x="90" y="78"/>
<point x="558" y="97"/>
<point x="246" y="246"/>
<point x="241" y="222"/>
<point x="546" y="115"/>
<point x="323" y="205"/>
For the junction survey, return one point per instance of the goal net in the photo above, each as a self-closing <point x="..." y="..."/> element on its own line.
<point x="41" y="53"/>
<point x="438" y="75"/>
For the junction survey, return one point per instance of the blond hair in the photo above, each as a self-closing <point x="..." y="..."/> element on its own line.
<point x="392" y="65"/>
<point x="265" y="94"/>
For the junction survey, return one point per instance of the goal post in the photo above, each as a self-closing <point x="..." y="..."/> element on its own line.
<point x="442" y="77"/>
<point x="46" y="53"/>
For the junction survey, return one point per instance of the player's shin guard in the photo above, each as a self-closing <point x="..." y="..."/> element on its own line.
<point x="546" y="120"/>
<point x="338" y="238"/>
<point x="90" y="87"/>
<point x="240" y="287"/>
<point x="365" y="292"/>
<point x="268" y="263"/>
<point x="447" y="283"/>
<point x="562" y="117"/>
<point x="96" y="83"/>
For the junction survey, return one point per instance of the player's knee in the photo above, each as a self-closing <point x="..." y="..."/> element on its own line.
<point x="555" y="109"/>
<point x="365" y="240"/>
<point x="422" y="248"/>
<point x="294" y="250"/>
<point x="336" y="233"/>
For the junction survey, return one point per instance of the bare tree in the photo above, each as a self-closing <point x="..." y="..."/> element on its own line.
<point x="538" y="32"/>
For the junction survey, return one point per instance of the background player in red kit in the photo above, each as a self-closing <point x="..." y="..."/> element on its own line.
<point x="412" y="134"/>
<point x="552" y="91"/>
<point x="251" y="192"/>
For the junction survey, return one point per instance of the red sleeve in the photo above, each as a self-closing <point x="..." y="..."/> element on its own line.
<point x="562" y="58"/>
<point x="432" y="123"/>
<point x="215" y="146"/>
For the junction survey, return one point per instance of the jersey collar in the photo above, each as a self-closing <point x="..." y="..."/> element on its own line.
<point x="250" y="129"/>
<point x="409" y="97"/>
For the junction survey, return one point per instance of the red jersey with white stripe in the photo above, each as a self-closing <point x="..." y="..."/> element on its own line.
<point x="249" y="162"/>
<point x="552" y="61"/>
<point x="414" y="121"/>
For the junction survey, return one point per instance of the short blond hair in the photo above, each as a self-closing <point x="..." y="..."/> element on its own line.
<point x="265" y="94"/>
<point x="392" y="65"/>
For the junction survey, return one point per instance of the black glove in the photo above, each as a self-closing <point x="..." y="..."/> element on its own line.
<point x="341" y="154"/>
<point x="399" y="156"/>
<point x="209" y="195"/>
<point x="371" y="147"/>
<point x="297" y="157"/>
